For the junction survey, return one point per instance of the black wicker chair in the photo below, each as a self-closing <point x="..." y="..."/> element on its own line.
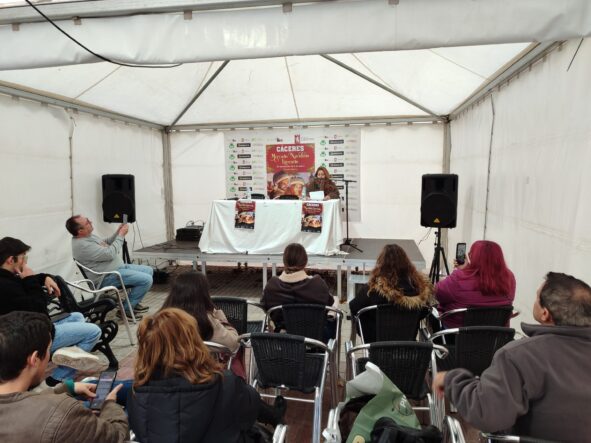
<point x="283" y="361"/>
<point x="236" y="311"/>
<point x="406" y="364"/>
<point x="94" y="312"/>
<point x="474" y="346"/>
<point x="482" y="316"/>
<point x="392" y="323"/>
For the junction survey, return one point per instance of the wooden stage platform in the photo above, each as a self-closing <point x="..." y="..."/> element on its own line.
<point x="348" y="259"/>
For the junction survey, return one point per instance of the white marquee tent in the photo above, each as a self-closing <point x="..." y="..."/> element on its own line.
<point x="495" y="91"/>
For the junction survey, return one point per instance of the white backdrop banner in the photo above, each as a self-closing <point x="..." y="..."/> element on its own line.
<point x="256" y="159"/>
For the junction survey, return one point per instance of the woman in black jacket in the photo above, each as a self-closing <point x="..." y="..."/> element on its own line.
<point x="181" y="394"/>
<point x="394" y="279"/>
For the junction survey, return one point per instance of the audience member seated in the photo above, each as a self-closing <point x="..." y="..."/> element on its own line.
<point x="53" y="414"/>
<point x="105" y="255"/>
<point x="23" y="290"/>
<point x="181" y="393"/>
<point x="538" y="386"/>
<point x="395" y="280"/>
<point x="190" y="292"/>
<point x="295" y="286"/>
<point x="484" y="280"/>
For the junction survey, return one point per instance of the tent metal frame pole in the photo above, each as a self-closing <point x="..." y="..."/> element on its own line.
<point x="199" y="92"/>
<point x="379" y="85"/>
<point x="536" y="52"/>
<point x="66" y="104"/>
<point x="288" y="124"/>
<point x="123" y="8"/>
<point x="168" y="189"/>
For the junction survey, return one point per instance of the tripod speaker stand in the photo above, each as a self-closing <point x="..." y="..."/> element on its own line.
<point x="437" y="255"/>
<point x="348" y="241"/>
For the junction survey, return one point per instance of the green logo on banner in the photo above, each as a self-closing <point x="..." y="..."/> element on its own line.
<point x="232" y="157"/>
<point x="232" y="189"/>
<point x="231" y="145"/>
<point x="322" y="153"/>
<point x="322" y="142"/>
<point x="232" y="178"/>
<point x="232" y="167"/>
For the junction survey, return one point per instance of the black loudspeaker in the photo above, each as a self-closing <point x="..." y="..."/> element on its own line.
<point x="118" y="198"/>
<point x="439" y="200"/>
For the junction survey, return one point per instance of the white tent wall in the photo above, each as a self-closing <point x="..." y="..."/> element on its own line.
<point x="103" y="146"/>
<point x="393" y="158"/>
<point x="538" y="208"/>
<point x="198" y="176"/>
<point x="35" y="181"/>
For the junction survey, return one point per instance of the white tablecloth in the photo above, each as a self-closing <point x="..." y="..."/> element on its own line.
<point x="277" y="224"/>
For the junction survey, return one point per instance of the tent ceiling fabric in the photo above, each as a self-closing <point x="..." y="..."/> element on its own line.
<point x="301" y="88"/>
<point x="331" y="27"/>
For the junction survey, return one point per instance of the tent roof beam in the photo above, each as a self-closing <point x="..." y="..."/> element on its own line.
<point x="379" y="85"/>
<point x="297" y="123"/>
<point x="121" y="8"/>
<point x="529" y="56"/>
<point x="33" y="95"/>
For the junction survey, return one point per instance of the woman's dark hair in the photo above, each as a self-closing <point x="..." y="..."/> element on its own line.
<point x="394" y="266"/>
<point x="295" y="258"/>
<point x="190" y="292"/>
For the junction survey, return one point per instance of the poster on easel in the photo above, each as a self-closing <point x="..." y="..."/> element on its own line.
<point x="312" y="217"/>
<point x="245" y="214"/>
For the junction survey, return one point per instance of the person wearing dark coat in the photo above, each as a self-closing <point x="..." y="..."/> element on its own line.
<point x="395" y="280"/>
<point x="294" y="286"/>
<point x="181" y="394"/>
<point x="321" y="181"/>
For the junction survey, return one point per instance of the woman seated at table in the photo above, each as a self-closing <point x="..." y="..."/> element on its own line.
<point x="394" y="279"/>
<point x="295" y="286"/>
<point x="182" y="394"/>
<point x="321" y="181"/>
<point x="483" y="280"/>
<point x="190" y="292"/>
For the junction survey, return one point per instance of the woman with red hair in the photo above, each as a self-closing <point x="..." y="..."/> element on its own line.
<point x="484" y="280"/>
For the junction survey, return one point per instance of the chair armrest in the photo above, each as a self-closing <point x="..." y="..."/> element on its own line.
<point x="279" y="433"/>
<point x="89" y="282"/>
<point x="451" y="312"/>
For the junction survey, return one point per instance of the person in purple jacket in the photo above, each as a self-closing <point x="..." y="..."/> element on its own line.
<point x="484" y="280"/>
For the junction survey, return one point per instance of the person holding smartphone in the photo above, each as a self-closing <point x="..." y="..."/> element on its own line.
<point x="52" y="414"/>
<point x="482" y="280"/>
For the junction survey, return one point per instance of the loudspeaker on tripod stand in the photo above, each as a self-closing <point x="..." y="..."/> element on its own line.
<point x="439" y="200"/>
<point x="118" y="197"/>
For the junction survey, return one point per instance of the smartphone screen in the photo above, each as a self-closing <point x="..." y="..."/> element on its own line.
<point x="461" y="253"/>
<point x="104" y="386"/>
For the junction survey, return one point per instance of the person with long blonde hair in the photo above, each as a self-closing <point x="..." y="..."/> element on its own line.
<point x="181" y="393"/>
<point x="394" y="279"/>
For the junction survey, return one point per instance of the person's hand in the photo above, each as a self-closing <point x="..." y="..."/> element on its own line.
<point x="113" y="394"/>
<point x="459" y="265"/>
<point x="25" y="271"/>
<point x="438" y="386"/>
<point x="327" y="197"/>
<point x="122" y="231"/>
<point x="86" y="389"/>
<point x="52" y="287"/>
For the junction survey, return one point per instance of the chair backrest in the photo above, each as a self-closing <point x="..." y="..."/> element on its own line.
<point x="288" y="197"/>
<point x="307" y="320"/>
<point x="475" y="346"/>
<point x="81" y="269"/>
<point x="405" y="363"/>
<point x="394" y="322"/>
<point x="488" y="316"/>
<point x="236" y="311"/>
<point x="256" y="196"/>
<point x="282" y="360"/>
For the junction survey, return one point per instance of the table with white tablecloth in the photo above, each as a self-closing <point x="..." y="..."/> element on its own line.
<point x="277" y="224"/>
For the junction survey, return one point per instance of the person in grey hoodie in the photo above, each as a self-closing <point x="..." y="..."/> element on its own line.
<point x="104" y="255"/>
<point x="539" y="386"/>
